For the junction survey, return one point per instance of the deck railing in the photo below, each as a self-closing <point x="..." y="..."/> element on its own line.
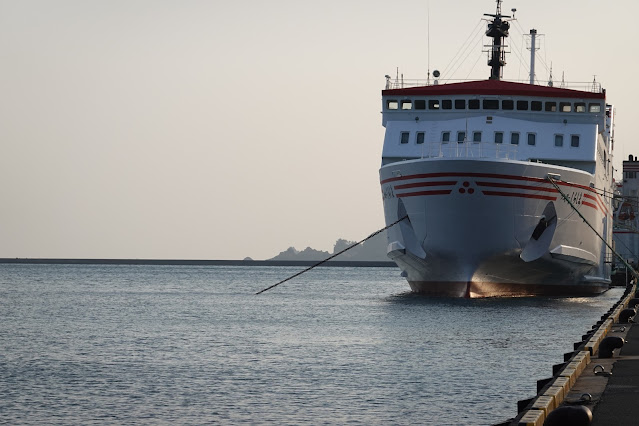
<point x="592" y="86"/>
<point x="469" y="150"/>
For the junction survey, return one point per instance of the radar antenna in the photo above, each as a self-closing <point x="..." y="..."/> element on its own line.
<point x="498" y="31"/>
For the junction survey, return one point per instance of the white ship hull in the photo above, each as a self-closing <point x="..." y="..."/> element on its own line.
<point x="470" y="225"/>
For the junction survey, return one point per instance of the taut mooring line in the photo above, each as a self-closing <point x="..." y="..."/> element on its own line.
<point x="330" y="257"/>
<point x="565" y="197"/>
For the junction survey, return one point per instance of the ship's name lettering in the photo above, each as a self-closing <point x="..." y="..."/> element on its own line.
<point x="575" y="197"/>
<point x="387" y="192"/>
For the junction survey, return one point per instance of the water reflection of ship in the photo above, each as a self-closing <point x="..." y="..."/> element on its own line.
<point x="626" y="220"/>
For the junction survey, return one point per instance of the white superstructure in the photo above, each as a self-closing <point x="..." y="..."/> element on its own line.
<point x="468" y="164"/>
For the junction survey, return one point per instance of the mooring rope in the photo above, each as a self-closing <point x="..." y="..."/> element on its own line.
<point x="332" y="256"/>
<point x="565" y="197"/>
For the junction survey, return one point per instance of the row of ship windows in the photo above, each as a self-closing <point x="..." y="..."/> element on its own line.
<point x="492" y="104"/>
<point x="498" y="138"/>
<point x="629" y="175"/>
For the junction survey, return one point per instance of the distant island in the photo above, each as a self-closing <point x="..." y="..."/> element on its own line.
<point x="371" y="253"/>
<point x="373" y="250"/>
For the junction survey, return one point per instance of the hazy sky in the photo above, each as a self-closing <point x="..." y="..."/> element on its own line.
<point x="219" y="130"/>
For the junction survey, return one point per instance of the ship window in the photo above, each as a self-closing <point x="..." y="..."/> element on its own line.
<point x="491" y="104"/>
<point x="461" y="136"/>
<point x="532" y="138"/>
<point x="407" y="104"/>
<point x="404" y="137"/>
<point x="445" y="136"/>
<point x="392" y="104"/>
<point x="499" y="137"/>
<point x="551" y="106"/>
<point x="574" y="141"/>
<point x="433" y="104"/>
<point x="476" y="136"/>
<point x="580" y="107"/>
<point x="508" y="104"/>
<point x="522" y="105"/>
<point x="420" y="104"/>
<point x="594" y="107"/>
<point x="473" y="104"/>
<point x="535" y="105"/>
<point x="447" y="104"/>
<point x="460" y="103"/>
<point x="514" y="138"/>
<point x="420" y="138"/>
<point x="559" y="140"/>
<point x="565" y="107"/>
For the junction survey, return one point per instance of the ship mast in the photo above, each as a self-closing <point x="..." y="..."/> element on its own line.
<point x="498" y="31"/>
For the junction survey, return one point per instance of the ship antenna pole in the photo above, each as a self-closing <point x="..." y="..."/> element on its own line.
<point x="428" y="39"/>
<point x="498" y="31"/>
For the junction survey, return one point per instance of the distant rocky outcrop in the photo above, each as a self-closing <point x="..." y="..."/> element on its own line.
<point x="370" y="250"/>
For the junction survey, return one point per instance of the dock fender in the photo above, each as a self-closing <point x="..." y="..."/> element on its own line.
<point x="608" y="344"/>
<point x="627" y="315"/>
<point x="566" y="415"/>
<point x="539" y="242"/>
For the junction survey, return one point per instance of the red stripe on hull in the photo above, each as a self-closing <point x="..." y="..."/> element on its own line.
<point x="425" y="184"/>
<point x="417" y="194"/>
<point x="515" y="194"/>
<point x="485" y="175"/>
<point x="514" y="186"/>
<point x="586" y="203"/>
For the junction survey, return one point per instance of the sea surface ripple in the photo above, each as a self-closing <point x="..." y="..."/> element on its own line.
<point x="109" y="344"/>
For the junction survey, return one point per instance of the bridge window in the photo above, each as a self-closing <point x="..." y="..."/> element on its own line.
<point x="522" y="105"/>
<point x="559" y="140"/>
<point x="532" y="138"/>
<point x="499" y="137"/>
<point x="574" y="141"/>
<point x="445" y="136"/>
<point x="420" y="138"/>
<point x="392" y="105"/>
<point x="491" y="104"/>
<point x="404" y="137"/>
<point x="460" y="103"/>
<point x="407" y="104"/>
<point x="473" y="104"/>
<point x="514" y="138"/>
<point x="508" y="104"/>
<point x="580" y="107"/>
<point x="433" y="104"/>
<point x="565" y="107"/>
<point x="535" y="105"/>
<point x="461" y="137"/>
<point x="420" y="104"/>
<point x="476" y="136"/>
<point x="594" y="107"/>
<point x="551" y="106"/>
<point x="447" y="104"/>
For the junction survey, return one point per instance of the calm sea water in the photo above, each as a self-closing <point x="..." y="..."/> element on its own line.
<point x="193" y="345"/>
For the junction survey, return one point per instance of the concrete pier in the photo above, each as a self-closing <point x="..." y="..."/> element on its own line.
<point x="607" y="386"/>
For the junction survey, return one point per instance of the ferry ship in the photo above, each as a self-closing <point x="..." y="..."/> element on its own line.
<point x="488" y="176"/>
